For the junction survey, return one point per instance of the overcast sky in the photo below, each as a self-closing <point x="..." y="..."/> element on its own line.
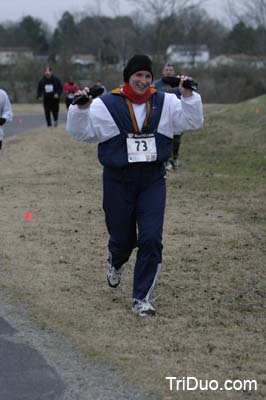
<point x="51" y="11"/>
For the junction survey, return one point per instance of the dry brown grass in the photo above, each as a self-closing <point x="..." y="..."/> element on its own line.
<point x="212" y="288"/>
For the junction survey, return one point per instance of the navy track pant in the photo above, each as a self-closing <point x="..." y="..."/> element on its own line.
<point x="134" y="204"/>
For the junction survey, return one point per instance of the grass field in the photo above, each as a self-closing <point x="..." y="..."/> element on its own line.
<point x="211" y="294"/>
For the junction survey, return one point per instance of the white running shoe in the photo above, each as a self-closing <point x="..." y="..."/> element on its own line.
<point x="176" y="163"/>
<point x="114" y="276"/>
<point x="143" y="308"/>
<point x="168" y="166"/>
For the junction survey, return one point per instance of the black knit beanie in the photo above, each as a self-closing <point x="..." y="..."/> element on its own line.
<point x="137" y="63"/>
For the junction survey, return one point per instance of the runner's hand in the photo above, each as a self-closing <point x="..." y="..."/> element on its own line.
<point x="185" y="92"/>
<point x="84" y="93"/>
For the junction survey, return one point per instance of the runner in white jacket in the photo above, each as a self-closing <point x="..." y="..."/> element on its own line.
<point x="134" y="127"/>
<point x="6" y="113"/>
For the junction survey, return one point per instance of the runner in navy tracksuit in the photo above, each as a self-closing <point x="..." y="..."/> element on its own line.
<point x="50" y="89"/>
<point x="134" y="127"/>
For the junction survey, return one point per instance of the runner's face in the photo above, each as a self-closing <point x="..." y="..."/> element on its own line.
<point x="168" y="71"/>
<point x="140" y="81"/>
<point x="47" y="73"/>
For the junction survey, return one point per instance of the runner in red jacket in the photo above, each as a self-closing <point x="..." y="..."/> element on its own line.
<point x="69" y="89"/>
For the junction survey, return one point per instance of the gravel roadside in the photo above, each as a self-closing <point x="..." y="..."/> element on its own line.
<point x="57" y="370"/>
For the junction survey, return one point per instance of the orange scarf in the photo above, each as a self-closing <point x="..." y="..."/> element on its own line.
<point x="135" y="97"/>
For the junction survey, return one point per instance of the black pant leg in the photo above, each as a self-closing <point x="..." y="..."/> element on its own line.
<point x="47" y="111"/>
<point x="68" y="102"/>
<point x="176" y="145"/>
<point x="55" y="109"/>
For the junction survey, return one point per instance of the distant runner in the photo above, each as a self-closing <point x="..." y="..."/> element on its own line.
<point x="69" y="88"/>
<point x="50" y="89"/>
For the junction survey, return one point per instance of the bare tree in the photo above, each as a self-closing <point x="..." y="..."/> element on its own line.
<point x="252" y="13"/>
<point x="94" y="10"/>
<point x="114" y="7"/>
<point x="160" y="11"/>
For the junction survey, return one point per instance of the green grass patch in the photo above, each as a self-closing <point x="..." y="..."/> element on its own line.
<point x="229" y="152"/>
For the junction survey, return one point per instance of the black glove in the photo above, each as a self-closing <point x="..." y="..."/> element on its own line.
<point x="95" y="91"/>
<point x="174" y="81"/>
<point x="2" y="121"/>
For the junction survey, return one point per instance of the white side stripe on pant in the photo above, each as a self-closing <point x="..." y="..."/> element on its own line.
<point x="147" y="298"/>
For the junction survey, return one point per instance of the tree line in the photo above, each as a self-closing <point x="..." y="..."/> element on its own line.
<point x="151" y="29"/>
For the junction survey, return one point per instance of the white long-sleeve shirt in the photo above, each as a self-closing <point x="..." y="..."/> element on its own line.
<point x="5" y="110"/>
<point x="95" y="124"/>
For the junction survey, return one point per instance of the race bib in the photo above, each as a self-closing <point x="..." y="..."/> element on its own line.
<point x="141" y="148"/>
<point x="49" y="88"/>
